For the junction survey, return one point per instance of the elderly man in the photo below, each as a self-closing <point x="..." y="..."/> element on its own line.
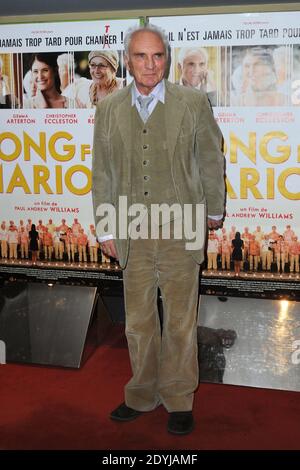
<point x="193" y="68"/>
<point x="154" y="143"/>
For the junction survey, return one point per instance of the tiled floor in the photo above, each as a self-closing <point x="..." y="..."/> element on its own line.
<point x="266" y="352"/>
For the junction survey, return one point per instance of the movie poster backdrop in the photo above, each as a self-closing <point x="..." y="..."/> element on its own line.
<point x="248" y="64"/>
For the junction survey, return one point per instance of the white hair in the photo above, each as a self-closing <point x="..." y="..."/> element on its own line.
<point x="150" y="28"/>
<point x="186" y="51"/>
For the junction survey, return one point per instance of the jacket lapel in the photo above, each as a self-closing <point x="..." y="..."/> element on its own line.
<point x="174" y="112"/>
<point x="123" y="119"/>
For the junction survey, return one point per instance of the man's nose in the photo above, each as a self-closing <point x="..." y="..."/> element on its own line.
<point x="198" y="68"/>
<point x="150" y="63"/>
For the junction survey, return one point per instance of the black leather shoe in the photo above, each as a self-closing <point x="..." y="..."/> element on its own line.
<point x="124" y="413"/>
<point x="181" y="422"/>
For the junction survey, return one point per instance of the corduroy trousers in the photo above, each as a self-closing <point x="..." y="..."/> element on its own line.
<point x="164" y="361"/>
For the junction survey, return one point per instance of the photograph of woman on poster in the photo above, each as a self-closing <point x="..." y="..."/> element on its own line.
<point x="87" y="92"/>
<point x="42" y="84"/>
<point x="254" y="79"/>
<point x="5" y="95"/>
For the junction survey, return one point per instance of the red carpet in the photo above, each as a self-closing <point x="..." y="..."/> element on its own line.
<point x="49" y="408"/>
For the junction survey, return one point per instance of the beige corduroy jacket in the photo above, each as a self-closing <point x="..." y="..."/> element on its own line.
<point x="194" y="145"/>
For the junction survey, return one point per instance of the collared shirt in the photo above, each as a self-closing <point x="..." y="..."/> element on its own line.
<point x="13" y="236"/>
<point x="212" y="245"/>
<point x="158" y="94"/>
<point x="3" y="234"/>
<point x="265" y="245"/>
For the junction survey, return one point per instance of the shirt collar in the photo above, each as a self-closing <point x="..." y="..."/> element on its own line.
<point x="158" y="93"/>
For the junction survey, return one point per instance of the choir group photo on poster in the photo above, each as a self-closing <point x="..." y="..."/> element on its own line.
<point x="254" y="250"/>
<point x="46" y="241"/>
<point x="250" y="250"/>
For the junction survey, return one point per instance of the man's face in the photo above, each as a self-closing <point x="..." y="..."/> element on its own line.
<point x="194" y="69"/>
<point x="146" y="61"/>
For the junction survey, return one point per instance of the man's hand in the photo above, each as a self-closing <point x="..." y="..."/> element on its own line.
<point x="203" y="80"/>
<point x="109" y="248"/>
<point x="39" y="100"/>
<point x="33" y="87"/>
<point x="214" y="224"/>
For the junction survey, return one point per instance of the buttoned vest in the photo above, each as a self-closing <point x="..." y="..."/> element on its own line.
<point x="152" y="181"/>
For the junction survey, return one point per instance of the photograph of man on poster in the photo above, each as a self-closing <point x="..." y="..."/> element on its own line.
<point x="194" y="71"/>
